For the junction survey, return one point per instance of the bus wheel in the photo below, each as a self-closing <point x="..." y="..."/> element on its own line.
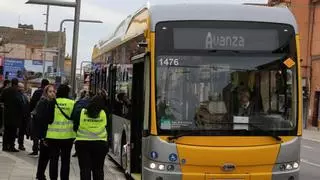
<point x="124" y="154"/>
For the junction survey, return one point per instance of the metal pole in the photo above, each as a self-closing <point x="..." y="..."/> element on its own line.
<point x="45" y="43"/>
<point x="75" y="46"/>
<point x="60" y="32"/>
<point x="81" y="69"/>
<point x="59" y="53"/>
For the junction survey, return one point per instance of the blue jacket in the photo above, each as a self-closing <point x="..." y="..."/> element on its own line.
<point x="75" y="116"/>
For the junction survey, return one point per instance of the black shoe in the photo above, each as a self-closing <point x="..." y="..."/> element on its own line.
<point x="5" y="148"/>
<point x="33" y="154"/>
<point x="13" y="150"/>
<point x="22" y="148"/>
<point x="42" y="178"/>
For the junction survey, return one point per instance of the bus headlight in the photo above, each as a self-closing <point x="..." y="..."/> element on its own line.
<point x="153" y="165"/>
<point x="288" y="166"/>
<point x="161" y="167"/>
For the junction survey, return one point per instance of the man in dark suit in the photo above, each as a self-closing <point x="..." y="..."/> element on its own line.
<point x="246" y="107"/>
<point x="12" y="115"/>
<point x="6" y="84"/>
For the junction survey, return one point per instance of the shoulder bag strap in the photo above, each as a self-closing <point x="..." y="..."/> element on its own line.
<point x="63" y="113"/>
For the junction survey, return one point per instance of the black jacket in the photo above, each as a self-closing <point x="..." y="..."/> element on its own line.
<point x="44" y="115"/>
<point x="13" y="107"/>
<point x="35" y="98"/>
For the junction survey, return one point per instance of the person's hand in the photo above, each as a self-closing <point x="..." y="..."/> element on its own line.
<point x="45" y="143"/>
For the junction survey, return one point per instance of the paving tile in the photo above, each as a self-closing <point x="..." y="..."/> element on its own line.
<point x="21" y="166"/>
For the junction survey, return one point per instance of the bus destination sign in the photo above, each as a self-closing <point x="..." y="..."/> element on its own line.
<point x="225" y="39"/>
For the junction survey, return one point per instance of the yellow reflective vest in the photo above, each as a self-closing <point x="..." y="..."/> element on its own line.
<point x="62" y="128"/>
<point x="92" y="129"/>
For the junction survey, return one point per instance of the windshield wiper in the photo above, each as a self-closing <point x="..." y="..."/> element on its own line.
<point x="177" y="136"/>
<point x="278" y="138"/>
<point x="193" y="132"/>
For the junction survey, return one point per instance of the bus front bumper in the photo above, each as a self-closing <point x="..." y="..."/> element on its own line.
<point x="151" y="174"/>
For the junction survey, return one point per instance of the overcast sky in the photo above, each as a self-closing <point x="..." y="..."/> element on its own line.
<point x="111" y="12"/>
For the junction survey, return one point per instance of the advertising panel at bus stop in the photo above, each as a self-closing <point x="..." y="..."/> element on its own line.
<point x="12" y="67"/>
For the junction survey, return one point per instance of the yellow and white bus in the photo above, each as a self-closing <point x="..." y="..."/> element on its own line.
<point x="203" y="91"/>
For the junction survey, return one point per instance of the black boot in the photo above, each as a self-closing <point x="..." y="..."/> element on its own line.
<point x="22" y="148"/>
<point x="5" y="147"/>
<point x="13" y="149"/>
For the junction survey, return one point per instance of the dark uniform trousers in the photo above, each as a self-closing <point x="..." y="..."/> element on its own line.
<point x="42" y="161"/>
<point x="9" y="136"/>
<point x="60" y="147"/>
<point x="91" y="156"/>
<point x="22" y="132"/>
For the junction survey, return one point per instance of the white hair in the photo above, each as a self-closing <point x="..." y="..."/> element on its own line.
<point x="20" y="85"/>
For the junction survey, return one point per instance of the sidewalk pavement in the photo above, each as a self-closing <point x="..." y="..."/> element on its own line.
<point x="311" y="135"/>
<point x="21" y="166"/>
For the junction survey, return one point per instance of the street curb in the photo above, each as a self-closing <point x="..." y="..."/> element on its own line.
<point x="310" y="139"/>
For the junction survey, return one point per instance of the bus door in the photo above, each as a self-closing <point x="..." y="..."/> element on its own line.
<point x="111" y="88"/>
<point x="137" y="113"/>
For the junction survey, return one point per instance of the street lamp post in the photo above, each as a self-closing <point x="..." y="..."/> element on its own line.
<point x="75" y="46"/>
<point x="53" y="3"/>
<point x="45" y="43"/>
<point x="59" y="40"/>
<point x="76" y="5"/>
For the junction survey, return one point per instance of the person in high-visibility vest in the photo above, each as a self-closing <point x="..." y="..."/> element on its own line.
<point x="91" y="141"/>
<point x="60" y="134"/>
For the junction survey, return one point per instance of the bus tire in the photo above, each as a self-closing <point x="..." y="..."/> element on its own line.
<point x="123" y="153"/>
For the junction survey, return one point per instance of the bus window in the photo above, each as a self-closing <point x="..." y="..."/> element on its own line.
<point x="202" y="92"/>
<point x="122" y="104"/>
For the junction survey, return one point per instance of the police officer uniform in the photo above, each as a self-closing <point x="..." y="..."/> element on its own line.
<point x="60" y="136"/>
<point x="91" y="145"/>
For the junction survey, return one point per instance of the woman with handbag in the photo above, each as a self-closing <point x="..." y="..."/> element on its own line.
<point x="43" y="115"/>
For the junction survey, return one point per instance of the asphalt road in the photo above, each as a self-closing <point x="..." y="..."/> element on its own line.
<point x="310" y="160"/>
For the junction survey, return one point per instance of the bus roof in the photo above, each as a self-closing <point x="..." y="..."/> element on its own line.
<point x="195" y="10"/>
<point x="214" y="11"/>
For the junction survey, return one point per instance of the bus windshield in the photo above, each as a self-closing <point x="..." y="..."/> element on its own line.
<point x="225" y="91"/>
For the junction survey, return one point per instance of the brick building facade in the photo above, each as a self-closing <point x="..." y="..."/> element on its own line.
<point x="26" y="45"/>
